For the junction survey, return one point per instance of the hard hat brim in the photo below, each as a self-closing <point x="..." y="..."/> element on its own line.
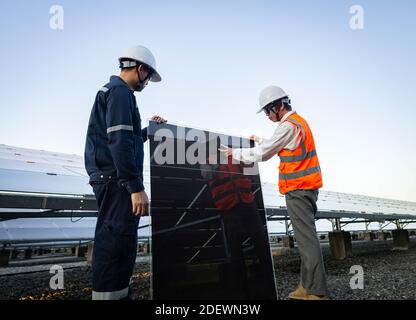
<point x="156" y="77"/>
<point x="260" y="110"/>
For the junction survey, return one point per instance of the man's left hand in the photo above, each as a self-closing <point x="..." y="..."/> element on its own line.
<point x="158" y="119"/>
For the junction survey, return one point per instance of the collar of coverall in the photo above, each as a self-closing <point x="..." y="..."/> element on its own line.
<point x="118" y="79"/>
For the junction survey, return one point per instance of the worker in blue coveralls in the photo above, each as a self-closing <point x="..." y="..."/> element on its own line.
<point x="114" y="162"/>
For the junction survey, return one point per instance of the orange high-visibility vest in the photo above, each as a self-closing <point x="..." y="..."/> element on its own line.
<point x="230" y="187"/>
<point x="299" y="169"/>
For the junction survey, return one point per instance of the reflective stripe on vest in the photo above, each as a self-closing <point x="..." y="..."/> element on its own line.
<point x="299" y="174"/>
<point x="303" y="156"/>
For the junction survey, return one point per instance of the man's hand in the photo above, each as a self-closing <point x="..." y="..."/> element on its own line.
<point x="227" y="151"/>
<point x="158" y="119"/>
<point x="140" y="203"/>
<point x="254" y="138"/>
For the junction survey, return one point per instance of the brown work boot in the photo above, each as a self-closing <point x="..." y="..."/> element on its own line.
<point x="301" y="294"/>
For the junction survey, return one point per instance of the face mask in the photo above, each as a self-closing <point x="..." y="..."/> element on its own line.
<point x="142" y="84"/>
<point x="139" y="87"/>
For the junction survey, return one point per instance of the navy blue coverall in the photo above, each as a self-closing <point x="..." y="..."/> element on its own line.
<point x="114" y="162"/>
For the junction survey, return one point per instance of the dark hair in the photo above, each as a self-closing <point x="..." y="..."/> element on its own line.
<point x="286" y="104"/>
<point x="278" y="103"/>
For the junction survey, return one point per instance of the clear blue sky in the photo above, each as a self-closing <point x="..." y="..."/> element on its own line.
<point x="355" y="87"/>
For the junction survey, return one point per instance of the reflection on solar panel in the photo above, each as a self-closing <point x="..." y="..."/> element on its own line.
<point x="209" y="234"/>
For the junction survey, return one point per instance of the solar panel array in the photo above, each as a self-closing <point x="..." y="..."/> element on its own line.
<point x="27" y="171"/>
<point x="344" y="202"/>
<point x="55" y="229"/>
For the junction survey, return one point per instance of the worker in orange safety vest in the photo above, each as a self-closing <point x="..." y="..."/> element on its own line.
<point x="299" y="180"/>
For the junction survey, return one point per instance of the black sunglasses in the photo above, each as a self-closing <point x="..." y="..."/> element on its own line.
<point x="149" y="71"/>
<point x="268" y="109"/>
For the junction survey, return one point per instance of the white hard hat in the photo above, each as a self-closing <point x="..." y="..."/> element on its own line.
<point x="270" y="94"/>
<point x="143" y="55"/>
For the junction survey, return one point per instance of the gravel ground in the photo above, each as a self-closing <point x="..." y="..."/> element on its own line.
<point x="387" y="275"/>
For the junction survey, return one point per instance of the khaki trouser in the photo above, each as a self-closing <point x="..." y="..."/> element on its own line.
<point x="301" y="206"/>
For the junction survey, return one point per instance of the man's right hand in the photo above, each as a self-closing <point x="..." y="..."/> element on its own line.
<point x="254" y="138"/>
<point x="140" y="203"/>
